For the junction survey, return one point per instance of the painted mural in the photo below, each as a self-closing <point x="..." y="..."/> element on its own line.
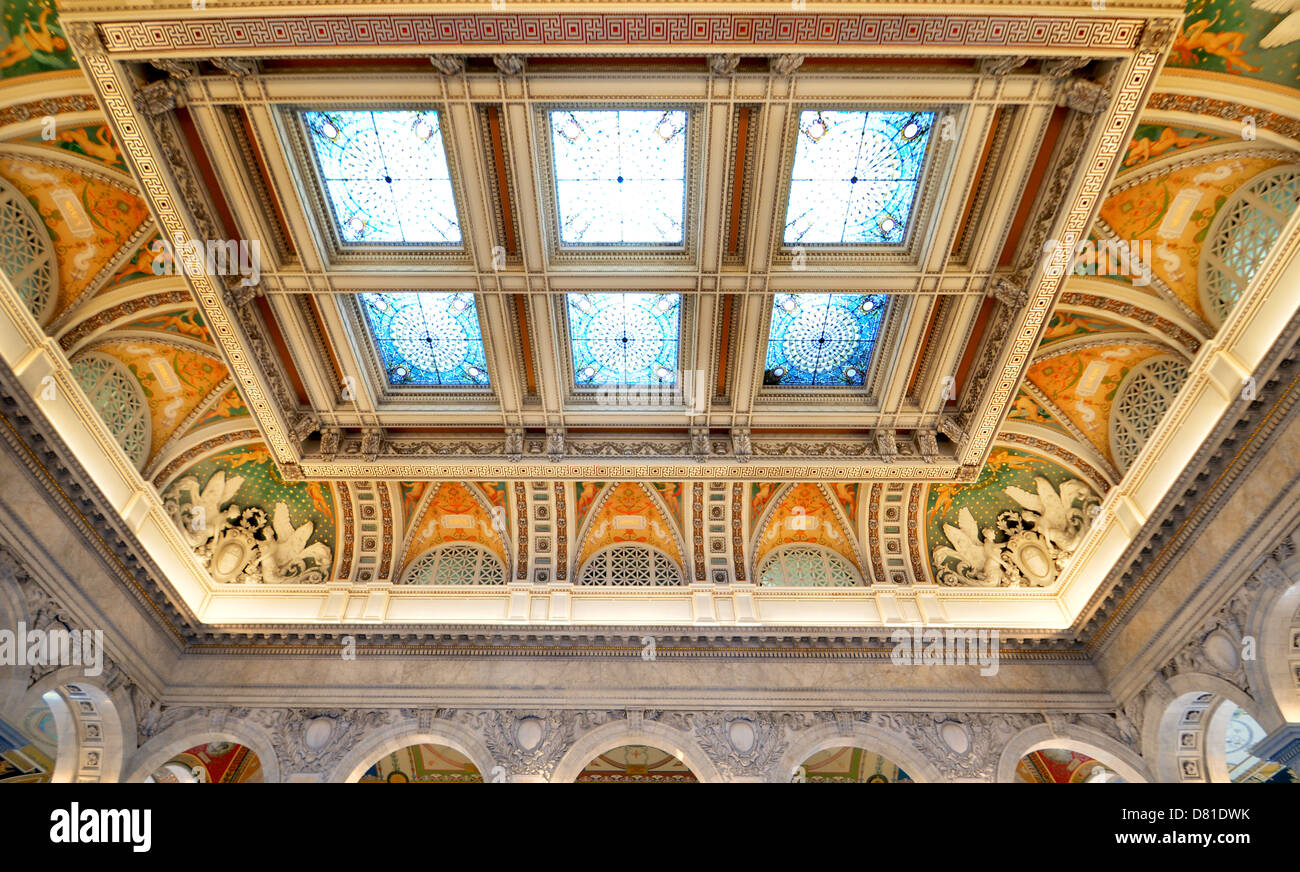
<point x="1026" y="408"/>
<point x="249" y="526"/>
<point x="585" y="493"/>
<point x="1064" y="325"/>
<point x="139" y="266"/>
<point x="850" y="766"/>
<point x="187" y="322"/>
<point x="1016" y="525"/>
<point x="423" y="764"/>
<point x="636" y="764"/>
<point x="1257" y="40"/>
<point x="94" y="141"/>
<point x="1151" y="141"/>
<point x="847" y="494"/>
<point x="673" y="493"/>
<point x="805" y="515"/>
<point x="32" y="40"/>
<point x="454" y="498"/>
<point x="213" y="763"/>
<point x="760" y="494"/>
<point x="228" y="407"/>
<point x="495" y="491"/>
<point x="1175" y="210"/>
<point x="627" y="498"/>
<point x="23" y="760"/>
<point x="174" y="380"/>
<point x="1085" y="393"/>
<point x="1055" y="766"/>
<point x="89" y="221"/>
<point x="412" y="492"/>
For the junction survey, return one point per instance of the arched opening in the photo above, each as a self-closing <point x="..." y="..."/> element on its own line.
<point x="630" y="565"/>
<point x="457" y="563"/>
<point x="1230" y="737"/>
<point x="423" y="764"/>
<point x="26" y="255"/>
<point x="118" y="398"/>
<point x="28" y="748"/>
<point x="805" y="565"/>
<point x="848" y="765"/>
<point x="216" y="762"/>
<point x="1062" y="766"/>
<point x="1140" y="403"/>
<point x="636" y="764"/>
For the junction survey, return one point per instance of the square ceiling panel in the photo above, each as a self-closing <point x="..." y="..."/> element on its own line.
<point x="385" y="176"/>
<point x="822" y="340"/>
<point x="427" y="338"/>
<point x="855" y="177"/>
<point x="620" y="176"/>
<point x="625" y="339"/>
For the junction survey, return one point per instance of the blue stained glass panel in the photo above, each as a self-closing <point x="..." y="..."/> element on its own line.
<point x="822" y="339"/>
<point x="855" y="176"/>
<point x="386" y="176"/>
<point x="624" y="339"/>
<point x="620" y="176"/>
<point x="427" y="338"/>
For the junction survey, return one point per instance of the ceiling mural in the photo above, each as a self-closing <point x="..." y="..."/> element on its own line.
<point x="227" y="407"/>
<point x="187" y="322"/>
<point x="1015" y="526"/>
<point x="849" y="766"/>
<point x="32" y="41"/>
<point x="455" y="512"/>
<point x="412" y="491"/>
<point x="805" y="514"/>
<point x="24" y="760"/>
<point x="147" y="262"/>
<point x="494" y="490"/>
<point x="249" y="526"/>
<point x="94" y="141"/>
<point x="1056" y="766"/>
<point x="175" y="380"/>
<point x="88" y="219"/>
<point x="423" y="764"/>
<point x="214" y="763"/>
<point x="1258" y="40"/>
<point x="1174" y="210"/>
<point x="1151" y="141"/>
<point x="629" y="512"/>
<point x="1065" y="324"/>
<point x="636" y="764"/>
<point x="585" y="493"/>
<point x="847" y="495"/>
<point x="1082" y="384"/>
<point x="1028" y="409"/>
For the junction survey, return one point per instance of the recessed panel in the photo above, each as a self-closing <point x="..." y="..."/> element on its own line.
<point x="386" y="176"/>
<point x="822" y="340"/>
<point x="620" y="176"/>
<point x="624" y="339"/>
<point x="855" y="176"/>
<point x="427" y="338"/>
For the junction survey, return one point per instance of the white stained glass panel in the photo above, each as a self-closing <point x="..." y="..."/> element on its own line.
<point x="386" y="176"/>
<point x="620" y="176"/>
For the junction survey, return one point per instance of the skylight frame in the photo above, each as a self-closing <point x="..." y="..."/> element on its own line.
<point x="313" y="190"/>
<point x="560" y="252"/>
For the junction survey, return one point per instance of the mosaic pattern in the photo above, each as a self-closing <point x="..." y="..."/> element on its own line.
<point x="819" y="340"/>
<point x="428" y="338"/>
<point x="386" y="176"/>
<point x="624" y="339"/>
<point x="620" y="176"/>
<point x="855" y="176"/>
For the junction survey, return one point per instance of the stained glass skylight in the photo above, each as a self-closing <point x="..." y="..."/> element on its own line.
<point x="624" y="339"/>
<point x="855" y="176"/>
<point x="620" y="176"/>
<point x="822" y="339"/>
<point x="386" y="176"/>
<point x="427" y="338"/>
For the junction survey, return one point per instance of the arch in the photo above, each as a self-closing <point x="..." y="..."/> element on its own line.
<point x="1241" y="236"/>
<point x="820" y="503"/>
<point x="1141" y="401"/>
<point x="1175" y="738"/>
<point x="1071" y="737"/>
<point x="458" y="563"/>
<point x="618" y="733"/>
<point x="91" y="740"/>
<point x="598" y="531"/>
<point x="895" y="746"/>
<point x="424" y="533"/>
<point x="116" y="395"/>
<point x="1276" y="673"/>
<point x="199" y="730"/>
<point x="798" y="564"/>
<point x="630" y="564"/>
<point x="26" y="255"/>
<point x="382" y="742"/>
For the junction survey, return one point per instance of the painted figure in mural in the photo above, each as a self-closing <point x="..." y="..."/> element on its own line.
<point x="1226" y="44"/>
<point x="41" y="42"/>
<point x="1142" y="150"/>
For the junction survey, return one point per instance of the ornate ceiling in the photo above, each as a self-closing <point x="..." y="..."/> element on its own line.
<point x="1017" y="418"/>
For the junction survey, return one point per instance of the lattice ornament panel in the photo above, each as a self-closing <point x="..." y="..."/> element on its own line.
<point x="456" y="564"/>
<point x="630" y="566"/>
<point x="805" y="566"/>
<point x="1143" y="400"/>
